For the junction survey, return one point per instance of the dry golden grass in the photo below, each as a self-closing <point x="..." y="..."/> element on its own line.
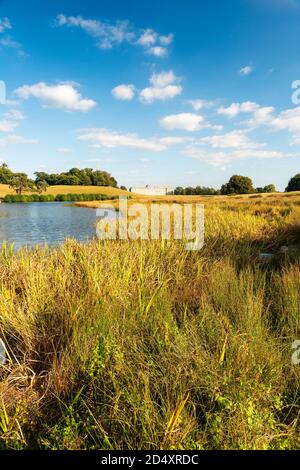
<point x="122" y="344"/>
<point x="5" y="189"/>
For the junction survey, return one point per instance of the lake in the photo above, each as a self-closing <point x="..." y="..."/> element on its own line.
<point x="45" y="222"/>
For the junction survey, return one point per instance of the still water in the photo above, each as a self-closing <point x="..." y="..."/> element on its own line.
<point x="45" y="222"/>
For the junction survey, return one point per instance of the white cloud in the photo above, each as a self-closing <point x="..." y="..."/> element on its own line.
<point x="221" y="158"/>
<point x="162" y="79"/>
<point x="62" y="96"/>
<point x="173" y="140"/>
<point x="200" y="104"/>
<point x="104" y="138"/>
<point x="235" y="139"/>
<point x="148" y="95"/>
<point x="4" y="24"/>
<point x="155" y="44"/>
<point x="16" y="139"/>
<point x="108" y="35"/>
<point x="288" y="119"/>
<point x="7" y="126"/>
<point x="123" y="92"/>
<point x="64" y="150"/>
<point x="9" y="42"/>
<point x="246" y="70"/>
<point x="147" y="38"/>
<point x="163" y="87"/>
<point x="262" y="115"/>
<point x="186" y="121"/>
<point x="166" y="40"/>
<point x="236" y="108"/>
<point x="11" y="120"/>
<point x="158" y="51"/>
<point x="14" y="114"/>
<point x="99" y="138"/>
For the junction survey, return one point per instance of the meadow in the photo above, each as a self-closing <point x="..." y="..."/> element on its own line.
<point x="68" y="189"/>
<point x="144" y="345"/>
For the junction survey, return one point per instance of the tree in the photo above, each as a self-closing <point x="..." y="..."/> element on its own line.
<point x="270" y="188"/>
<point x="294" y="183"/>
<point x="5" y="174"/>
<point x="238" y="185"/>
<point x="20" y="183"/>
<point x="179" y="191"/>
<point x="41" y="186"/>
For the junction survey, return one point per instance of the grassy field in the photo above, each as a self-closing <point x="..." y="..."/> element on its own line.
<point x="144" y="345"/>
<point x="5" y="189"/>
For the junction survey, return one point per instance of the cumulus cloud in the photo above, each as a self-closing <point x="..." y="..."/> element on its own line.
<point x="104" y="138"/>
<point x="236" y="108"/>
<point x="288" y="119"/>
<point x="99" y="138"/>
<point x="164" y="86"/>
<point x="218" y="150"/>
<point x="158" y="51"/>
<point x="186" y="121"/>
<point x="61" y="96"/>
<point x="246" y="70"/>
<point x="235" y="139"/>
<point x="221" y="158"/>
<point x="108" y="35"/>
<point x="150" y="94"/>
<point x="147" y="38"/>
<point x="123" y="92"/>
<point x="154" y="43"/>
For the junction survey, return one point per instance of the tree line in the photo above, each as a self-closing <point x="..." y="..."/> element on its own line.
<point x="20" y="182"/>
<point x="238" y="184"/>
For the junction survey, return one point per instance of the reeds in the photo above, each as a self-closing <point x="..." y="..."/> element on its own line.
<point x="143" y="345"/>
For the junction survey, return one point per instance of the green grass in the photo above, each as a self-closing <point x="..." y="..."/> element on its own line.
<point x="143" y="345"/>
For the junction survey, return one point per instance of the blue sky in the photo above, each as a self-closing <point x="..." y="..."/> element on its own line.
<point x="162" y="92"/>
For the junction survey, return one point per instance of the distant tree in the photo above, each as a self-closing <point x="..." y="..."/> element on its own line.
<point x="5" y="174"/>
<point x="179" y="191"/>
<point x="123" y="187"/>
<point x="270" y="188"/>
<point x="294" y="183"/>
<point x="75" y="176"/>
<point x="41" y="186"/>
<point x="189" y="191"/>
<point x="20" y="183"/>
<point x="238" y="185"/>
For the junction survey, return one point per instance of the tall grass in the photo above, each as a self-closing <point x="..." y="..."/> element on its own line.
<point x="143" y="345"/>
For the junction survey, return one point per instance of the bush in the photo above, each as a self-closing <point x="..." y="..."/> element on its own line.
<point x="58" y="198"/>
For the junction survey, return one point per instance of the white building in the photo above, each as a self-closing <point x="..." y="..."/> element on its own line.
<point x="153" y="190"/>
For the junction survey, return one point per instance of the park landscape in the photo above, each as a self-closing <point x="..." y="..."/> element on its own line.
<point x="115" y="343"/>
<point x="121" y="344"/>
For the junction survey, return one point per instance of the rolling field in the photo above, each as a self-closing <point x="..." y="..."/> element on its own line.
<point x="4" y="189"/>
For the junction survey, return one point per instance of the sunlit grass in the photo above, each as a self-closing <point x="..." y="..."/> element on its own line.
<point x="138" y="345"/>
